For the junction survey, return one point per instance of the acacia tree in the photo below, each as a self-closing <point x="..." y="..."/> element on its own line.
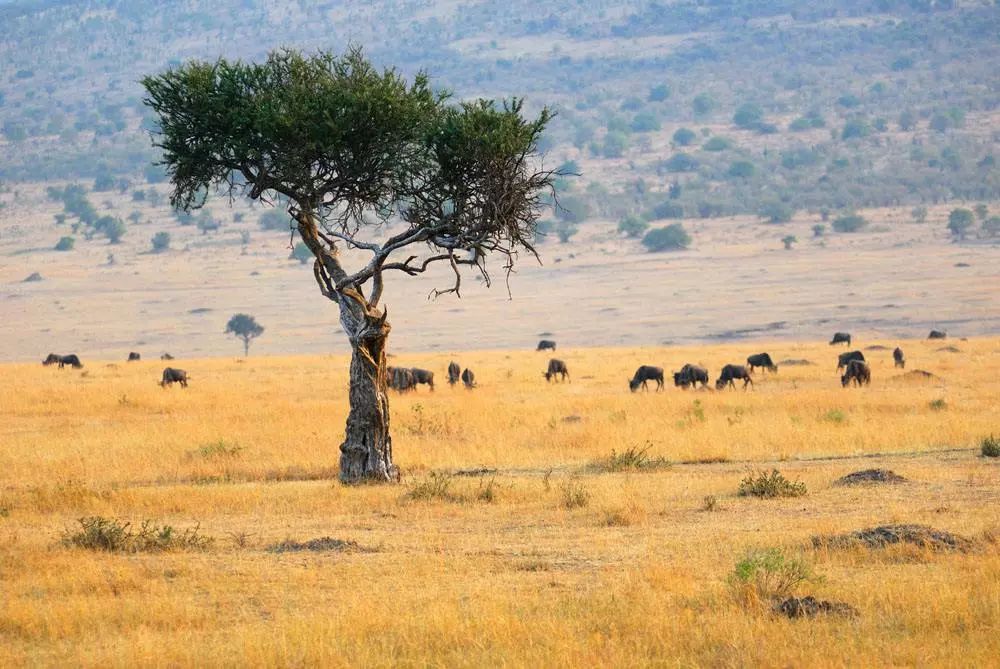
<point x="351" y="150"/>
<point x="246" y="328"/>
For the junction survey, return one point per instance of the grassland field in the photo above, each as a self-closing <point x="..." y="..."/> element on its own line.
<point x="509" y="541"/>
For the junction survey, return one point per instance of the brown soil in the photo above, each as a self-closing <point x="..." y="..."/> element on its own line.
<point x="871" y="476"/>
<point x="886" y="535"/>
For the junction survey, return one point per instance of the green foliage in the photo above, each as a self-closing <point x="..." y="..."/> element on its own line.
<point x="644" y="122"/>
<point x="776" y="211"/>
<point x="919" y="214"/>
<point x="435" y="487"/>
<point x="849" y="223"/>
<point x="684" y="137"/>
<point x="982" y="211"/>
<point x="748" y="116"/>
<point x="703" y="104"/>
<point x="670" y="238"/>
<point x="990" y="447"/>
<point x="764" y="575"/>
<point x="818" y="230"/>
<point x="632" y="226"/>
<point x="855" y="128"/>
<point x="849" y="101"/>
<point x="206" y="223"/>
<point x="115" y="536"/>
<point x="991" y="226"/>
<point x="301" y="253"/>
<point x="114" y="229"/>
<point x="573" y="209"/>
<point x="741" y="169"/>
<point x="161" y="242"/>
<point x="681" y="162"/>
<point x="275" y="219"/>
<point x="667" y="209"/>
<point x="65" y="244"/>
<point x="788" y="240"/>
<point x="615" y="144"/>
<point x="104" y="182"/>
<point x="907" y="120"/>
<point x="770" y="485"/>
<point x="565" y="232"/>
<point x="244" y="327"/>
<point x="659" y="93"/>
<point x="716" y="144"/>
<point x="632" y="459"/>
<point x="959" y="222"/>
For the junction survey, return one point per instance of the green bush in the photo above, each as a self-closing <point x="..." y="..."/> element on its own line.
<point x="770" y="485"/>
<point x="716" y="144"/>
<point x="742" y="169"/>
<point x="684" y="136"/>
<point x="667" y="209"/>
<point x="959" y="222"/>
<point x="659" y="93"/>
<point x="161" y="242"/>
<point x="115" y="536"/>
<point x="301" y="253"/>
<point x="748" y="116"/>
<point x="990" y="447"/>
<point x="849" y="223"/>
<point x="275" y="219"/>
<point x="65" y="244"/>
<point x="855" y="128"/>
<point x="645" y="122"/>
<point x="777" y="212"/>
<point x="764" y="575"/>
<point x="681" y="162"/>
<point x="671" y="238"/>
<point x="615" y="144"/>
<point x="788" y="240"/>
<point x="632" y="226"/>
<point x="703" y="104"/>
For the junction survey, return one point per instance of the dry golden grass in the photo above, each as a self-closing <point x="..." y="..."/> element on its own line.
<point x="548" y="560"/>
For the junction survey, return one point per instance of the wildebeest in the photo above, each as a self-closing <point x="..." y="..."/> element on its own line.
<point x="857" y="371"/>
<point x="646" y="373"/>
<point x="937" y="334"/>
<point x="845" y="358"/>
<point x="171" y="375"/>
<point x="63" y="360"/>
<point x="423" y="376"/>
<point x="762" y="360"/>
<point x="133" y="356"/>
<point x="691" y="375"/>
<point x="546" y="345"/>
<point x="897" y="357"/>
<point x="400" y="378"/>
<point x="454" y="373"/>
<point x="729" y="375"/>
<point x="556" y="367"/>
<point x="841" y="338"/>
<point x="166" y="356"/>
<point x="469" y="378"/>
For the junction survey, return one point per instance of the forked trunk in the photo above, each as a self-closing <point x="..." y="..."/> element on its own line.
<point x="366" y="454"/>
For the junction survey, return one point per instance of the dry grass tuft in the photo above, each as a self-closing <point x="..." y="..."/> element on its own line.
<point x="116" y="536"/>
<point x="770" y="485"/>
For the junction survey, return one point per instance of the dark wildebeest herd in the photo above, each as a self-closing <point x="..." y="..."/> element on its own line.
<point x="404" y="379"/>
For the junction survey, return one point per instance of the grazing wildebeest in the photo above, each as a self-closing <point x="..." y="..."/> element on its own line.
<point x="897" y="357"/>
<point x="845" y="358"/>
<point x="454" y="373"/>
<point x="691" y="375"/>
<point x="762" y="360"/>
<point x="166" y="356"/>
<point x="401" y="379"/>
<point x="134" y="356"/>
<point x="63" y="360"/>
<point x="857" y="371"/>
<point x="423" y="376"/>
<point x="546" y="345"/>
<point x="730" y="373"/>
<point x="841" y="338"/>
<point x="937" y="334"/>
<point x="171" y="375"/>
<point x="556" y="367"/>
<point x="646" y="373"/>
<point x="469" y="378"/>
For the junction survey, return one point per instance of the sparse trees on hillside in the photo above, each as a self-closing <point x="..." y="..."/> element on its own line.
<point x="748" y="116"/>
<point x="351" y="147"/>
<point x="245" y="327"/>
<point x="919" y="214"/>
<point x="632" y="226"/>
<point x="684" y="137"/>
<point x="849" y="223"/>
<point x="161" y="242"/>
<point x="65" y="244"/>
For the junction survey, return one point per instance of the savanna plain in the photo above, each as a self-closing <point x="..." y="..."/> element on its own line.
<point x="569" y="524"/>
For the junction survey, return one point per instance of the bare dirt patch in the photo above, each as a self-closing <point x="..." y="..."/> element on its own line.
<point x="871" y="476"/>
<point x="882" y="536"/>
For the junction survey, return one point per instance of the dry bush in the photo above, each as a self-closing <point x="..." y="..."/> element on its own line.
<point x="763" y="484"/>
<point x="115" y="536"/>
<point x="990" y="447"/>
<point x="574" y="494"/>
<point x="633" y="459"/>
<point x="763" y="576"/>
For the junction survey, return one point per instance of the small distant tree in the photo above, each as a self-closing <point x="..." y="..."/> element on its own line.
<point x="104" y="182"/>
<point x="788" y="240"/>
<point x="777" y="212"/>
<point x="919" y="214"/>
<point x="65" y="244"/>
<point x="671" y="238"/>
<point x="684" y="136"/>
<point x="573" y="209"/>
<point x="907" y="120"/>
<point x="244" y="241"/>
<point x="139" y="195"/>
<point x="703" y="104"/>
<point x="114" y="230"/>
<point x="991" y="226"/>
<point x="667" y="209"/>
<point x="565" y="231"/>
<point x="301" y="253"/>
<point x="748" y="116"/>
<point x="632" y="226"/>
<point x="742" y="169"/>
<point x="681" y="162"/>
<point x="615" y="144"/>
<point x="135" y="217"/>
<point x="819" y="230"/>
<point x="245" y="327"/>
<point x="276" y="219"/>
<point x="849" y="223"/>
<point x="60" y="219"/>
<point x="855" y="128"/>
<point x="959" y="222"/>
<point x="645" y="122"/>
<point x="206" y="223"/>
<point x="659" y="93"/>
<point x="161" y="242"/>
<point x="716" y="144"/>
<point x="982" y="211"/>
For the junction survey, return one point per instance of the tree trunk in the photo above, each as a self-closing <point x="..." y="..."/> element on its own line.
<point x="246" y="347"/>
<point x="366" y="454"/>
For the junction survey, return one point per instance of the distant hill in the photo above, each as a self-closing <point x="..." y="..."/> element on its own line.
<point x="668" y="109"/>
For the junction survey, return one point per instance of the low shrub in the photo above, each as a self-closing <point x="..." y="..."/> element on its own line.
<point x="770" y="485"/>
<point x="115" y="536"/>
<point x="765" y="575"/>
<point x="634" y="458"/>
<point x="990" y="447"/>
<point x="437" y="486"/>
<point x="574" y="494"/>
